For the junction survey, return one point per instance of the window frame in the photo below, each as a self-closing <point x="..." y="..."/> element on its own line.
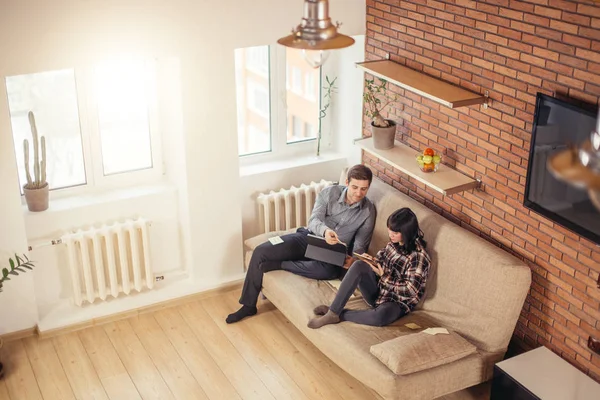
<point x="279" y="83"/>
<point x="91" y="145"/>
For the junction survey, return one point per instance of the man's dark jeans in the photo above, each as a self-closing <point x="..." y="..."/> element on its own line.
<point x="288" y="256"/>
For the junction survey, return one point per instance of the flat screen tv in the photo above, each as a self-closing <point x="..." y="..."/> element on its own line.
<point x="558" y="124"/>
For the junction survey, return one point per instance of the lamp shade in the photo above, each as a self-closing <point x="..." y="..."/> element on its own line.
<point x="316" y="32"/>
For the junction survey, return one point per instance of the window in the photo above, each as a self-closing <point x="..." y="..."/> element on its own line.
<point x="98" y="122"/>
<point x="308" y="130"/>
<point x="310" y="89"/>
<point x="274" y="110"/>
<point x="253" y="100"/>
<point x="296" y="79"/>
<point x="258" y="98"/>
<point x="52" y="97"/>
<point x="296" y="129"/>
<point x="258" y="60"/>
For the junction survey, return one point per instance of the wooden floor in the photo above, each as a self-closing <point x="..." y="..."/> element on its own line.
<point x="184" y="352"/>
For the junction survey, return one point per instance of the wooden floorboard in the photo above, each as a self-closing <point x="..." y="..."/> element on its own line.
<point x="184" y="352"/>
<point x="111" y="371"/>
<point x="279" y="383"/>
<point x="48" y="370"/>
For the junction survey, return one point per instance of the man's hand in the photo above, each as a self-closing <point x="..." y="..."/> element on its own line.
<point x="331" y="237"/>
<point x="348" y="262"/>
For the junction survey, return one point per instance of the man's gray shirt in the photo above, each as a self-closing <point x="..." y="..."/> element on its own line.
<point x="349" y="222"/>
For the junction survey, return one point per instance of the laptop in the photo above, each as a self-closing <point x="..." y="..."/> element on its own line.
<point x="319" y="250"/>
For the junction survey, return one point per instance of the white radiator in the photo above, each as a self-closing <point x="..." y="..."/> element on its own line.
<point x="288" y="208"/>
<point x="109" y="260"/>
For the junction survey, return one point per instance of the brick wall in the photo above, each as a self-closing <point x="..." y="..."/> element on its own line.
<point x="514" y="49"/>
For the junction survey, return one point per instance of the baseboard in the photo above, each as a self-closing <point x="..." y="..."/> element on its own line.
<point x="225" y="288"/>
<point x="22" y="334"/>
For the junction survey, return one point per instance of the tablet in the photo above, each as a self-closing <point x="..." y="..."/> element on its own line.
<point x="318" y="249"/>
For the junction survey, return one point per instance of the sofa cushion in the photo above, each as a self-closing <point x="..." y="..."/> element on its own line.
<point x="419" y="351"/>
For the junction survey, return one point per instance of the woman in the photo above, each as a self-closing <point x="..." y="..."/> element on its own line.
<point x="392" y="283"/>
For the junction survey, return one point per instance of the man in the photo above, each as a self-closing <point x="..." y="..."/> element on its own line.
<point x="341" y="214"/>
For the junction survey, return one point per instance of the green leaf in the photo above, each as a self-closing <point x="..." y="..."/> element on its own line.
<point x="19" y="260"/>
<point x="13" y="273"/>
<point x="4" y="272"/>
<point x="12" y="263"/>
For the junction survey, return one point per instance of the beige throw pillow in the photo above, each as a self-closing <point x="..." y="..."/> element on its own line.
<point x="419" y="351"/>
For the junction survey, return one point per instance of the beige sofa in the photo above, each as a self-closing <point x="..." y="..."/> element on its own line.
<point x="475" y="289"/>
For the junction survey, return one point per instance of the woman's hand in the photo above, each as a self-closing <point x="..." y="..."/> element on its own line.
<point x="376" y="267"/>
<point x="331" y="237"/>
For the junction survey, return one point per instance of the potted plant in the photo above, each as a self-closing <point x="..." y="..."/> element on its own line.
<point x="330" y="89"/>
<point x="16" y="265"/>
<point x="376" y="99"/>
<point x="36" y="191"/>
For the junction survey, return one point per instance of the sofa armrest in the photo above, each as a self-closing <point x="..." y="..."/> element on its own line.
<point x="255" y="241"/>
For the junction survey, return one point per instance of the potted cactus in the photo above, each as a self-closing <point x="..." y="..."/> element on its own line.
<point x="36" y="191"/>
<point x="376" y="99"/>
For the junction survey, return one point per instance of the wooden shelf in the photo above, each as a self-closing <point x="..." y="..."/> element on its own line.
<point x="445" y="180"/>
<point x="422" y="84"/>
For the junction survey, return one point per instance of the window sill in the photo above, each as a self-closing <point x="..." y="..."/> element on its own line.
<point x="92" y="198"/>
<point x="286" y="163"/>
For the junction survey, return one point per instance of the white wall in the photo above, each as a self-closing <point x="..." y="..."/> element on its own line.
<point x="202" y="36"/>
<point x="17" y="301"/>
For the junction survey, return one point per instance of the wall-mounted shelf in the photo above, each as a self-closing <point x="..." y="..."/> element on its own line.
<point x="422" y="84"/>
<point x="445" y="180"/>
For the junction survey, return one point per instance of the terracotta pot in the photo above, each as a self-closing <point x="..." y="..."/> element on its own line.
<point x="383" y="138"/>
<point x="37" y="199"/>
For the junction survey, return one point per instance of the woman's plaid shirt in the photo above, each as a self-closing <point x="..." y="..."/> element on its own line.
<point x="404" y="275"/>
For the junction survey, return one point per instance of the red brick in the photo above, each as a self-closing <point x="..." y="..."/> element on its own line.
<point x="593" y="11"/>
<point x="529" y="79"/>
<point x="523" y="27"/>
<point x="516" y="45"/>
<point x="586" y="76"/>
<point x="547" y="54"/>
<point x="521" y="6"/>
<point x="541" y="32"/>
<point x="510" y="53"/>
<point x="512" y="14"/>
<point x="486" y="27"/>
<point x="467" y="22"/>
<point x="588" y="55"/>
<point x="548" y="12"/>
<point x="498" y="21"/>
<point x="561" y="47"/>
<point x="589" y="33"/>
<point x="576" y="19"/>
<point x="543" y="73"/>
<point x="571" y="82"/>
<point x="574" y="62"/>
<point x="537" y="20"/>
<point x="563" y="5"/>
<point x="476" y="15"/>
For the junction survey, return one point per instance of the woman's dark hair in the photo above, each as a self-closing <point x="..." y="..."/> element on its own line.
<point x="405" y="221"/>
<point x="360" y="173"/>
